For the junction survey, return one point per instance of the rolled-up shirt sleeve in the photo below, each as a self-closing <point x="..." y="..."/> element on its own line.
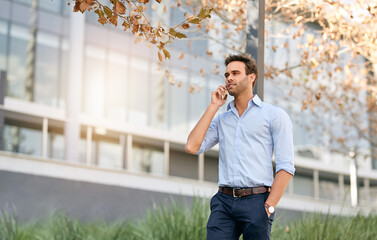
<point x="282" y="136"/>
<point x="211" y="138"/>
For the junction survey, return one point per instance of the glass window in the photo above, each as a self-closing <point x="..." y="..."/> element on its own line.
<point x="347" y="190"/>
<point x="93" y="17"/>
<point x="373" y="192"/>
<point x="55" y="148"/>
<point x="63" y="73"/>
<point x="117" y="86"/>
<point x="211" y="168"/>
<point x="328" y="187"/>
<point x="198" y="47"/>
<point x="109" y="154"/>
<point x="18" y="54"/>
<point x="198" y="100"/>
<point x="46" y="87"/>
<point x="183" y="165"/>
<point x="11" y="138"/>
<point x="94" y="80"/>
<point x="178" y="102"/>
<point x="28" y="2"/>
<point x="140" y="85"/>
<point x="67" y="9"/>
<point x="52" y="22"/>
<point x="5" y="12"/>
<point x="176" y="15"/>
<point x="148" y="159"/>
<point x="374" y="157"/>
<point x="30" y="142"/>
<point x="3" y="44"/>
<point x="22" y="140"/>
<point x="303" y="185"/>
<point x="363" y="193"/>
<point x="82" y="158"/>
<point x="158" y="100"/>
<point x="52" y="5"/>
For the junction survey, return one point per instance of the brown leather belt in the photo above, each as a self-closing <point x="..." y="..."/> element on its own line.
<point x="243" y="192"/>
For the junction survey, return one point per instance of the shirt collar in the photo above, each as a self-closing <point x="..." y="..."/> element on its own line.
<point x="256" y="100"/>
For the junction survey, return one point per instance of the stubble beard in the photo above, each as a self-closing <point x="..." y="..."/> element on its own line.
<point x="239" y="88"/>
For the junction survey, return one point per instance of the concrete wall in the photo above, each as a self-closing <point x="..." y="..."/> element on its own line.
<point x="36" y="197"/>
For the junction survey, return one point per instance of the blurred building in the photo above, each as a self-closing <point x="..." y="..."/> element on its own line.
<point x="91" y="125"/>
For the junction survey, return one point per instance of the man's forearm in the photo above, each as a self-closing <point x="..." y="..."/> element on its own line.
<point x="278" y="187"/>
<point x="197" y="134"/>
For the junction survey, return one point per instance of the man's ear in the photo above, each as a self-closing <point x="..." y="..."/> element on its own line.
<point x="251" y="77"/>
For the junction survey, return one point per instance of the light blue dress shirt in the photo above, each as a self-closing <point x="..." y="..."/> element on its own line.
<point x="246" y="144"/>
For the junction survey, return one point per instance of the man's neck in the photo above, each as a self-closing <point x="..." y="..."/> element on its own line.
<point x="241" y="102"/>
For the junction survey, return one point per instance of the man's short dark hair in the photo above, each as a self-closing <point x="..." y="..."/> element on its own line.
<point x="250" y="65"/>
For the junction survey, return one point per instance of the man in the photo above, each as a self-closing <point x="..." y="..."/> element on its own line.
<point x="248" y="133"/>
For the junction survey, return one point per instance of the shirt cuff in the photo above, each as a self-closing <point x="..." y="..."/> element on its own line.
<point x="202" y="148"/>
<point x="286" y="167"/>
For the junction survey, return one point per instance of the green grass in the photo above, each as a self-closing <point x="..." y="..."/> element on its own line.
<point x="320" y="226"/>
<point x="176" y="220"/>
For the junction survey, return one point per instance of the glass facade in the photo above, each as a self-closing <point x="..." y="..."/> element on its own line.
<point x="329" y="187"/>
<point x="148" y="159"/>
<point x="108" y="154"/>
<point x="27" y="139"/>
<point x="211" y="168"/>
<point x="183" y="165"/>
<point x="94" y="81"/>
<point x="55" y="148"/>
<point x="3" y="44"/>
<point x="123" y="84"/>
<point x="33" y="54"/>
<point x="373" y="191"/>
<point x="22" y="140"/>
<point x="314" y="129"/>
<point x="47" y="70"/>
<point x="16" y="71"/>
<point x="303" y="185"/>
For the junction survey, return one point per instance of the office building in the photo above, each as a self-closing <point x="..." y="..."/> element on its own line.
<point x="92" y="125"/>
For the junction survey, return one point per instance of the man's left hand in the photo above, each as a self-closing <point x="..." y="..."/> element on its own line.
<point x="268" y="214"/>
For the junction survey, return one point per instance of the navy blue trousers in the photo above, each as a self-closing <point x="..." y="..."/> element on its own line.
<point x="230" y="217"/>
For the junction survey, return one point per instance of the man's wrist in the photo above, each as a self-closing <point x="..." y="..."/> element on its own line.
<point x="215" y="106"/>
<point x="270" y="209"/>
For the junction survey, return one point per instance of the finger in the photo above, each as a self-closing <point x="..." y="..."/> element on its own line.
<point x="219" y="92"/>
<point x="223" y="93"/>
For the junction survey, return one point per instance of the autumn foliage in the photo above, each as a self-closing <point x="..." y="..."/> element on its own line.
<point x="130" y="15"/>
<point x="334" y="78"/>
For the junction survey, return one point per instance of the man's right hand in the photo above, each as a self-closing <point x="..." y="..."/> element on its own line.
<point x="219" y="96"/>
<point x="197" y="134"/>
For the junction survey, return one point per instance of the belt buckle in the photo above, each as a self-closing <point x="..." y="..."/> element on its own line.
<point x="234" y="192"/>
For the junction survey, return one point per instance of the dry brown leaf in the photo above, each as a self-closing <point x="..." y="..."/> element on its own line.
<point x="192" y="88"/>
<point x="185" y="25"/>
<point x="160" y="56"/>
